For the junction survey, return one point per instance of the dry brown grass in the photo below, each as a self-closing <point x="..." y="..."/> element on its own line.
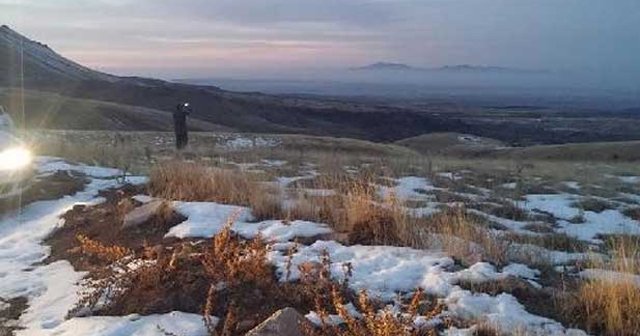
<point x="235" y="261"/>
<point x="551" y="241"/>
<point x="356" y="209"/>
<point x="374" y="321"/>
<point x="609" y="305"/>
<point x="466" y="239"/>
<point x="100" y="251"/>
<point x="177" y="278"/>
<point x="188" y="181"/>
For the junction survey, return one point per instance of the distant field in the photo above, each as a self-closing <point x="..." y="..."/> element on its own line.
<point x="600" y="151"/>
<point x="467" y="146"/>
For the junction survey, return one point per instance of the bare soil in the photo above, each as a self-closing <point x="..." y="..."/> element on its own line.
<point x="103" y="223"/>
<point x="10" y="311"/>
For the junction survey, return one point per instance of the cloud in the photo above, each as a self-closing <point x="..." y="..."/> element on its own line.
<point x="119" y="34"/>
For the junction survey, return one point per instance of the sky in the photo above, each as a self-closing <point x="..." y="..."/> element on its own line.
<point x="187" y="38"/>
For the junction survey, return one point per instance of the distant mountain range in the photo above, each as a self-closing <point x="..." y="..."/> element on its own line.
<point x="62" y="94"/>
<point x="383" y="66"/>
<point x="461" y="68"/>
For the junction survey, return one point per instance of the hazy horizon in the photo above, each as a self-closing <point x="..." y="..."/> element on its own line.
<point x="199" y="38"/>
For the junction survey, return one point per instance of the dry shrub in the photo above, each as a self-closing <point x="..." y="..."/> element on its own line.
<point x="374" y="321"/>
<point x="330" y="297"/>
<point x="369" y="221"/>
<point x="177" y="279"/>
<point x="610" y="305"/>
<point x="234" y="261"/>
<point x="230" y="278"/>
<point x="486" y="329"/>
<point x="100" y="251"/>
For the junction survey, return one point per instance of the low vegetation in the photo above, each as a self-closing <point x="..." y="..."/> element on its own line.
<point x="609" y="303"/>
<point x="143" y="272"/>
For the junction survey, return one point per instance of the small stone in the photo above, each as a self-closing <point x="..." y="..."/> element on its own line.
<point x="284" y="322"/>
<point x="141" y="214"/>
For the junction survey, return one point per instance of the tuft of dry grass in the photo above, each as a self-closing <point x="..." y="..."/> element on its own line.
<point x="593" y="204"/>
<point x="466" y="239"/>
<point x="189" y="181"/>
<point x="609" y="305"/>
<point x="610" y="308"/>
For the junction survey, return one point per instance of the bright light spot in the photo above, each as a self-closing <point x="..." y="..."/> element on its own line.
<point x="186" y="104"/>
<point x="15" y="158"/>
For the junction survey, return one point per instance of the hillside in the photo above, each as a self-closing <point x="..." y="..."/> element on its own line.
<point x="45" y="70"/>
<point x="465" y="146"/>
<point x="54" y="111"/>
<point x="373" y="119"/>
<point x="596" y="151"/>
<point x="455" y="144"/>
<point x="41" y="64"/>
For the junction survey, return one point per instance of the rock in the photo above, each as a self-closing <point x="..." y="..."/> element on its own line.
<point x="141" y="214"/>
<point x="245" y="324"/>
<point x="284" y="322"/>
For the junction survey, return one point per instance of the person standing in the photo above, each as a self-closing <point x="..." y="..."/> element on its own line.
<point x="180" y="125"/>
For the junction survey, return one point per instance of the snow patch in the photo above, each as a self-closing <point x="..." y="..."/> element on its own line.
<point x="174" y="323"/>
<point x="50" y="289"/>
<point x="206" y="219"/>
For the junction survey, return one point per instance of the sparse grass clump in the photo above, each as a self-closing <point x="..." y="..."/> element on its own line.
<point x="358" y="210"/>
<point x="633" y="213"/>
<point x="593" y="204"/>
<point x="550" y="241"/>
<point x="465" y="238"/>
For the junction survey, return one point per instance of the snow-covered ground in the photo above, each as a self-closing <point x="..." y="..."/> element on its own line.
<point x="384" y="271"/>
<point x="592" y="224"/>
<point x="51" y="289"/>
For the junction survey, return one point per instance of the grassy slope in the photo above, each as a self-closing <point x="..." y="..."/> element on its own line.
<point x="449" y="144"/>
<point x="48" y="110"/>
<point x="599" y="151"/>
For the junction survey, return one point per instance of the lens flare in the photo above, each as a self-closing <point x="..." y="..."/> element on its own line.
<point x="15" y="159"/>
